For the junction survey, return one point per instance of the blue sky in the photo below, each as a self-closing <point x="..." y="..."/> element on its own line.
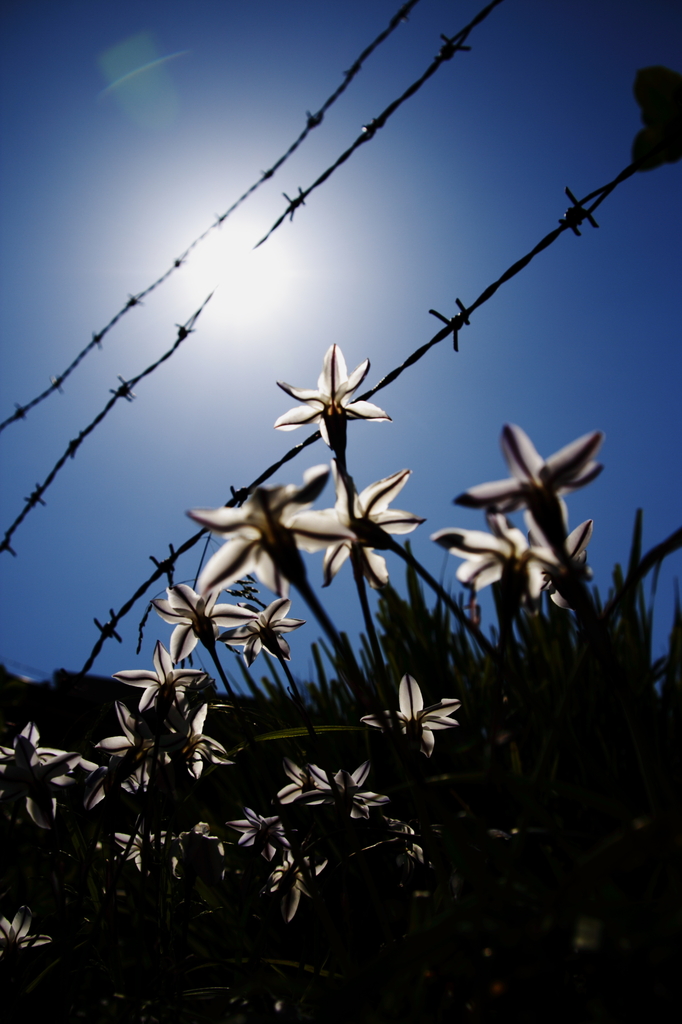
<point x="100" y="192"/>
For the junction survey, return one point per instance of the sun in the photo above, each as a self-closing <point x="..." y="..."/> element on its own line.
<point x="251" y="285"/>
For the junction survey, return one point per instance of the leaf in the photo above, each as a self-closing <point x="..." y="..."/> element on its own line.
<point x="296" y="731"/>
<point x="658" y="90"/>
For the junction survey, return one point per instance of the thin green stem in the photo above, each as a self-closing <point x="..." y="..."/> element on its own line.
<point x="382" y="681"/>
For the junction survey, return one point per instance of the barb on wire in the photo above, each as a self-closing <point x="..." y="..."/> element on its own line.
<point x="312" y="121"/>
<point x="125" y="391"/>
<point x="453" y="325"/>
<point x="447" y="51"/>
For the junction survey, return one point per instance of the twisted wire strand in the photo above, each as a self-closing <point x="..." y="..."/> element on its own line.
<point x="572" y="219"/>
<point x="313" y="121"/>
<point x="124" y="391"/>
<point x="447" y="51"/>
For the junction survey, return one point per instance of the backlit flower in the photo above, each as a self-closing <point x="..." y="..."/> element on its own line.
<point x="199" y="852"/>
<point x="166" y="683"/>
<point x="263" y="630"/>
<point x="536" y="483"/>
<point x="489" y="555"/>
<point x="576" y="553"/>
<point x="410" y="853"/>
<point x="187" y="739"/>
<point x="16" y="936"/>
<point x="369" y="518"/>
<point x="416" y="721"/>
<point x="355" y="800"/>
<point x="330" y="405"/>
<point x="36" y="774"/>
<point x="304" y="781"/>
<point x="289" y="880"/>
<point x="260" y="832"/>
<point x="195" y="618"/>
<point x="266" y="533"/>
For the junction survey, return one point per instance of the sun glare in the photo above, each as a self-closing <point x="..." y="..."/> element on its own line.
<point x="251" y="285"/>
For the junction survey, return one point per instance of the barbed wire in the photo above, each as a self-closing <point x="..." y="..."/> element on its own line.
<point x="574" y="216"/>
<point x="450" y="47"/>
<point x="125" y="390"/>
<point x="313" y="121"/>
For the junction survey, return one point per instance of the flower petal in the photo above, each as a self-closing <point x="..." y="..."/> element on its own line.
<point x="297" y="416"/>
<point x="566" y="464"/>
<point x="334" y="557"/>
<point x="183" y="642"/>
<point x="365" y="411"/>
<point x="410" y="697"/>
<point x="300" y="394"/>
<point x="162" y="662"/>
<point x="522" y="457"/>
<point x="334" y="372"/>
<point x="378" y="496"/>
<point x="505" y="495"/>
<point x="428" y="742"/>
<point x="233" y="560"/>
<point x="373" y="568"/>
<point x="361" y="773"/>
<point x="357" y="376"/>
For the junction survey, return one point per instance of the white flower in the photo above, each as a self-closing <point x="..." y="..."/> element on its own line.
<point x="489" y="555"/>
<point x="416" y="721"/>
<point x="36" y="774"/>
<point x="330" y="405"/>
<point x="303" y="782"/>
<point x="134" y="747"/>
<point x="260" y="832"/>
<point x="266" y="532"/>
<point x="166" y="682"/>
<point x="195" y="618"/>
<point x="576" y="554"/>
<point x="16" y="935"/>
<point x="410" y="851"/>
<point x="136" y="847"/>
<point x="355" y="800"/>
<point x="289" y="880"/>
<point x="370" y="518"/>
<point x="188" y="738"/>
<point x="537" y="483"/>
<point x="200" y="852"/>
<point x="263" y="630"/>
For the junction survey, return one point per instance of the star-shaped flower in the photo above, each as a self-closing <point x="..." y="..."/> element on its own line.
<point x="16" y="936"/>
<point x="416" y="721"/>
<point x="289" y="880"/>
<point x="490" y="555"/>
<point x="369" y="519"/>
<point x="260" y="832"/>
<point x="188" y="739"/>
<point x="576" y="554"/>
<point x="166" y="683"/>
<point x="538" y="483"/>
<point x="304" y="781"/>
<point x="355" y="800"/>
<point x="263" y="631"/>
<point x="36" y="775"/>
<point x="195" y="618"/>
<point x="135" y="744"/>
<point x="266" y="533"/>
<point x="330" y="405"/>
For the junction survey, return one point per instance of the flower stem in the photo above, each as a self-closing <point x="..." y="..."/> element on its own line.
<point x="352" y="674"/>
<point x="382" y="681"/>
<point x="473" y="629"/>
